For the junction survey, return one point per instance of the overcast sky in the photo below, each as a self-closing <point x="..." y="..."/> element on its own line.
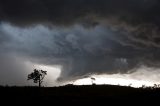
<point x="80" y="37"/>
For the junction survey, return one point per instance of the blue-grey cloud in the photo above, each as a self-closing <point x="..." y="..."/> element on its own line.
<point x="83" y="36"/>
<point x="77" y="49"/>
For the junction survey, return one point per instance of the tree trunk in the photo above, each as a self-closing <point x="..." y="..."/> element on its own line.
<point x="39" y="83"/>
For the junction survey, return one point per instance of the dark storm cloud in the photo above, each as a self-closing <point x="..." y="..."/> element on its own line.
<point x="85" y="37"/>
<point x="73" y="11"/>
<point x="78" y="50"/>
<point x="140" y="18"/>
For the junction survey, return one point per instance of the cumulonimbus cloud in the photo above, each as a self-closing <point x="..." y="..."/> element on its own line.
<point x="78" y="50"/>
<point x="84" y="36"/>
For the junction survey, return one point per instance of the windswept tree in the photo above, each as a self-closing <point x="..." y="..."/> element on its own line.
<point x="37" y="76"/>
<point x="93" y="79"/>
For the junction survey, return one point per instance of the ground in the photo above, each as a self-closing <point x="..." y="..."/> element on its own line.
<point x="69" y="94"/>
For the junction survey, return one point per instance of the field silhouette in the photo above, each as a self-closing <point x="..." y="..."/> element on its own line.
<point x="87" y="94"/>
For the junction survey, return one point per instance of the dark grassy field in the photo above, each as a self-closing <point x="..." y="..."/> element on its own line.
<point x="79" y="94"/>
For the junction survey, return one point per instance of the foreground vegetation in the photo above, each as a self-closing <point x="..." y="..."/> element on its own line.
<point x="79" y="94"/>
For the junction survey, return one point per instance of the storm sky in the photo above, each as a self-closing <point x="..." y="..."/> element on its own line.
<point x="80" y="36"/>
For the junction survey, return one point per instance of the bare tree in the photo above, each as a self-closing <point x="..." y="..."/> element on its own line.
<point x="37" y="76"/>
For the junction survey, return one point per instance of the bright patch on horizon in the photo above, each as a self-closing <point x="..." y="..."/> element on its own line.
<point x="143" y="76"/>
<point x="106" y="79"/>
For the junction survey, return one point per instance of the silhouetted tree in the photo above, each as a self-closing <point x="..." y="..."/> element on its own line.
<point x="130" y="85"/>
<point x="155" y="86"/>
<point x="93" y="79"/>
<point x="143" y="86"/>
<point x="37" y="76"/>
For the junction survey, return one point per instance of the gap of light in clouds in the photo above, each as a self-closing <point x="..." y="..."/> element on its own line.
<point x="143" y="76"/>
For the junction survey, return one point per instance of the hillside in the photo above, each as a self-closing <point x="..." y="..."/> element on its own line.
<point x="79" y="94"/>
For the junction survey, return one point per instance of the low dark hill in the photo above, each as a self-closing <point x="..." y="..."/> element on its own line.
<point x="70" y="94"/>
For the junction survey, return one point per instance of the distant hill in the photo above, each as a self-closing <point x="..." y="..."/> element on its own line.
<point x="88" y="94"/>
